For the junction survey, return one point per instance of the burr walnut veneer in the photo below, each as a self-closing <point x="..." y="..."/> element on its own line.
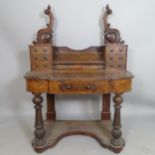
<point x="95" y="70"/>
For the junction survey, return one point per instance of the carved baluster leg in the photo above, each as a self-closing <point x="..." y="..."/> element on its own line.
<point x="39" y="124"/>
<point x="105" y="114"/>
<point x="116" y="131"/>
<point x="51" y="114"/>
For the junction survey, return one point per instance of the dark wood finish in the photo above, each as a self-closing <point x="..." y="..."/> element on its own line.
<point x="51" y="113"/>
<point x="45" y="35"/>
<point x="111" y="35"/>
<point x="95" y="70"/>
<point x="39" y="139"/>
<point x="106" y="114"/>
<point x="99" y="130"/>
<point x="116" y="131"/>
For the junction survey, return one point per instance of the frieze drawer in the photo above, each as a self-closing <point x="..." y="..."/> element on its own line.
<point x="78" y="87"/>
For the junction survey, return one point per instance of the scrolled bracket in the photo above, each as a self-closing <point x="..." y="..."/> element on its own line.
<point x="45" y="35"/>
<point x="111" y="35"/>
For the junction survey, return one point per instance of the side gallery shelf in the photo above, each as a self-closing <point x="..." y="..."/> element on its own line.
<point x="95" y="70"/>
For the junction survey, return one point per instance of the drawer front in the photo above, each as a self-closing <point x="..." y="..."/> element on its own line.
<point x="73" y="87"/>
<point x="115" y="56"/>
<point x="41" y="57"/>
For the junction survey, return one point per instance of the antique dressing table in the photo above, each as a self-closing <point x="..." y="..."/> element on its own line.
<point x="95" y="70"/>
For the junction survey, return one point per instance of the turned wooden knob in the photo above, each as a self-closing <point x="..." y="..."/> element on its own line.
<point x="88" y="87"/>
<point x="65" y="87"/>
<point x="68" y="86"/>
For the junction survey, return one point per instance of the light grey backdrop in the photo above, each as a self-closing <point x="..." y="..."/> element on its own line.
<point x="77" y="25"/>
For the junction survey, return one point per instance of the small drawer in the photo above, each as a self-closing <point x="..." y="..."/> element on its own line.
<point x="76" y="87"/>
<point x="41" y="57"/>
<point x="115" y="56"/>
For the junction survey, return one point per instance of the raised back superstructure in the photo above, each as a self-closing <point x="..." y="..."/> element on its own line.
<point x="45" y="56"/>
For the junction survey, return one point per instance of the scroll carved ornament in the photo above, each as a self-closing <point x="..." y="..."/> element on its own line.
<point x="45" y="35"/>
<point x="111" y="35"/>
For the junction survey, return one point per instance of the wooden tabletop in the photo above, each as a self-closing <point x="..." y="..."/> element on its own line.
<point x="79" y="75"/>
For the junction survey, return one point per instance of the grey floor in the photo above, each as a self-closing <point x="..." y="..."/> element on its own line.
<point x="138" y="130"/>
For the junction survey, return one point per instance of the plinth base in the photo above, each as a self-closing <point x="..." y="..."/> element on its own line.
<point x="99" y="130"/>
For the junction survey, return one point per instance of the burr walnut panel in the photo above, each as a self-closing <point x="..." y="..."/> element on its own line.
<point x="79" y="86"/>
<point x="82" y="87"/>
<point x="38" y="86"/>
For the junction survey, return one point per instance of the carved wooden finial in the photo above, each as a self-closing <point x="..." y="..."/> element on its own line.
<point x="108" y="10"/>
<point x="110" y="35"/>
<point x="45" y="35"/>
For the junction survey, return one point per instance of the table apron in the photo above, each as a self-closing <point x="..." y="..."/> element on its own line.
<point x="79" y="87"/>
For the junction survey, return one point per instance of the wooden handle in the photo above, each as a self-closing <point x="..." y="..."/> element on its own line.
<point x="65" y="87"/>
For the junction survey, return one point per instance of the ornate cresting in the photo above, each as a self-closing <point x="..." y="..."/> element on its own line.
<point x="111" y="35"/>
<point x="45" y="35"/>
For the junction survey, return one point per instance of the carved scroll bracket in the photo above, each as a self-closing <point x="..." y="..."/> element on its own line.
<point x="111" y="35"/>
<point x="45" y="35"/>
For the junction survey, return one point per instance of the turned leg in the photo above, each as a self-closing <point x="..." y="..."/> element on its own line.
<point x="116" y="131"/>
<point x="39" y="124"/>
<point x="105" y="114"/>
<point x="51" y="114"/>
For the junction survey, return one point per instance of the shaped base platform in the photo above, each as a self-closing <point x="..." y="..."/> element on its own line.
<point x="99" y="130"/>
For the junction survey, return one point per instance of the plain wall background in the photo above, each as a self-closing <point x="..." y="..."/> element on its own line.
<point x="77" y="25"/>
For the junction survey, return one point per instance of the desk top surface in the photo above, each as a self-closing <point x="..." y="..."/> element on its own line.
<point x="79" y="75"/>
